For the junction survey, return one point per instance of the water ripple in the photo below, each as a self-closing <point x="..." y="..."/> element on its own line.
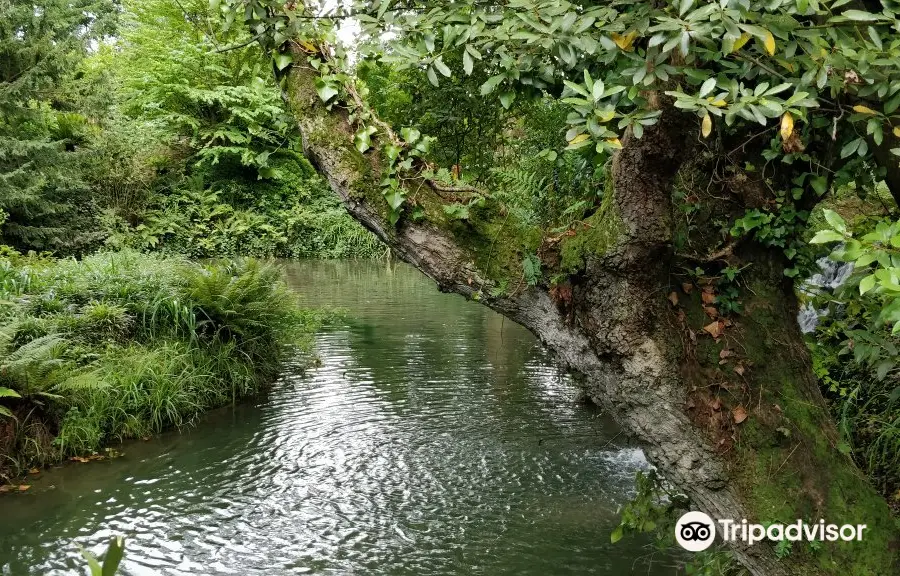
<point x="436" y="438"/>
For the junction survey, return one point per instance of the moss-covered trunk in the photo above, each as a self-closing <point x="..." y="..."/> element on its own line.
<point x="730" y="414"/>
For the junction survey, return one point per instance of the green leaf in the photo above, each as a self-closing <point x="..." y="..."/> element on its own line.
<point x="531" y="266"/>
<point x="883" y="368"/>
<point x="383" y="7"/>
<point x="598" y="89"/>
<point x="432" y="77"/>
<point x="410" y="135"/>
<point x="93" y="564"/>
<point x="394" y="198"/>
<point x="468" y="63"/>
<point x="491" y="84"/>
<point x="283" y="60"/>
<point x="707" y="87"/>
<point x="441" y="67"/>
<point x="457" y="211"/>
<point x="850" y="147"/>
<point x="826" y="236"/>
<point x="326" y="90"/>
<point x="616" y="534"/>
<point x="860" y="16"/>
<point x="8" y="393"/>
<point x="835" y="220"/>
<point x="819" y="184"/>
<point x="507" y="98"/>
<point x="114" y="555"/>
<point x="866" y="284"/>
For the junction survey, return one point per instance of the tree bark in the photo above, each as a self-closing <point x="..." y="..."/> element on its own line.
<point x="612" y="323"/>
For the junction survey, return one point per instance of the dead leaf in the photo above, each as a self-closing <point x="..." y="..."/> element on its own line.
<point x="6" y="488"/>
<point x="777" y="408"/>
<point x="34" y="471"/>
<point x="673" y="298"/>
<point x="24" y="487"/>
<point x="716" y="404"/>
<point x="787" y="126"/>
<point x="711" y="312"/>
<point x="714" y="329"/>
<point x="708" y="297"/>
<point x="739" y="414"/>
<point x="739" y="369"/>
<point x="687" y="287"/>
<point x="726" y="353"/>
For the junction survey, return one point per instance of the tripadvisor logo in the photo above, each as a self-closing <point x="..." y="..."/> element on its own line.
<point x="696" y="531"/>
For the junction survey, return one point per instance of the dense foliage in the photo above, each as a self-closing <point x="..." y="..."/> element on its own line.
<point x="45" y="119"/>
<point x="125" y="345"/>
<point x="143" y="127"/>
<point x="856" y="352"/>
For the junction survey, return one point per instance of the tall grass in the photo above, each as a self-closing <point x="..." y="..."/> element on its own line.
<point x="124" y="345"/>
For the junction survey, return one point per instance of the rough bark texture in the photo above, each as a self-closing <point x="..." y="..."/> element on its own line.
<point x="646" y="360"/>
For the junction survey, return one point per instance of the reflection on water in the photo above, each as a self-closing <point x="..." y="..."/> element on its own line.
<point x="436" y="438"/>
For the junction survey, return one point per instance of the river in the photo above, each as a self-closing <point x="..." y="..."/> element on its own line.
<point x="436" y="438"/>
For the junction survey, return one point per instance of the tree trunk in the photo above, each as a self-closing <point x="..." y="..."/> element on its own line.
<point x="679" y="390"/>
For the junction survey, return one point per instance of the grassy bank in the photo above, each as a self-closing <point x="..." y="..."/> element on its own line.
<point x="124" y="345"/>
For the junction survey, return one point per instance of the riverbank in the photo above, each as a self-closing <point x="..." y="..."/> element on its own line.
<point x="124" y="345"/>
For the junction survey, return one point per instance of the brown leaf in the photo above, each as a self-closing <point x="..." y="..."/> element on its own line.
<point x="726" y="353"/>
<point x="739" y="414"/>
<point x="673" y="298"/>
<point x="708" y="297"/>
<point x="687" y="287"/>
<point x="739" y="369"/>
<point x="34" y="471"/>
<point x="711" y="311"/>
<point x="716" y="404"/>
<point x="714" y="329"/>
<point x="24" y="487"/>
<point x="7" y="488"/>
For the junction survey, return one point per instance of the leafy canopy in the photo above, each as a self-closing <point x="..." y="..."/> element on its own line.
<point x="832" y="66"/>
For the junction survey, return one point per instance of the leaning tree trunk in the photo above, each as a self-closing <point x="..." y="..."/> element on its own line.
<point x="731" y="414"/>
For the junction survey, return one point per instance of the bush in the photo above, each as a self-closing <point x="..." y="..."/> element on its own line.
<point x="856" y="349"/>
<point x="124" y="345"/>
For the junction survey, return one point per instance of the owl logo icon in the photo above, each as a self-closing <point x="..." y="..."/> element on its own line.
<point x="695" y="531"/>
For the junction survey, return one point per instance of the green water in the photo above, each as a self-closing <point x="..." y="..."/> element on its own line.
<point x="435" y="439"/>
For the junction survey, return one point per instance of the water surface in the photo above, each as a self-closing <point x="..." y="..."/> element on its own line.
<point x="436" y="438"/>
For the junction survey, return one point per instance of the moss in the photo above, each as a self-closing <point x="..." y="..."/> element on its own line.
<point x="599" y="233"/>
<point x="784" y="460"/>
<point x="786" y="457"/>
<point x="496" y="240"/>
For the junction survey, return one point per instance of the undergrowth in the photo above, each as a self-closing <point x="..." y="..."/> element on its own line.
<point x="124" y="345"/>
